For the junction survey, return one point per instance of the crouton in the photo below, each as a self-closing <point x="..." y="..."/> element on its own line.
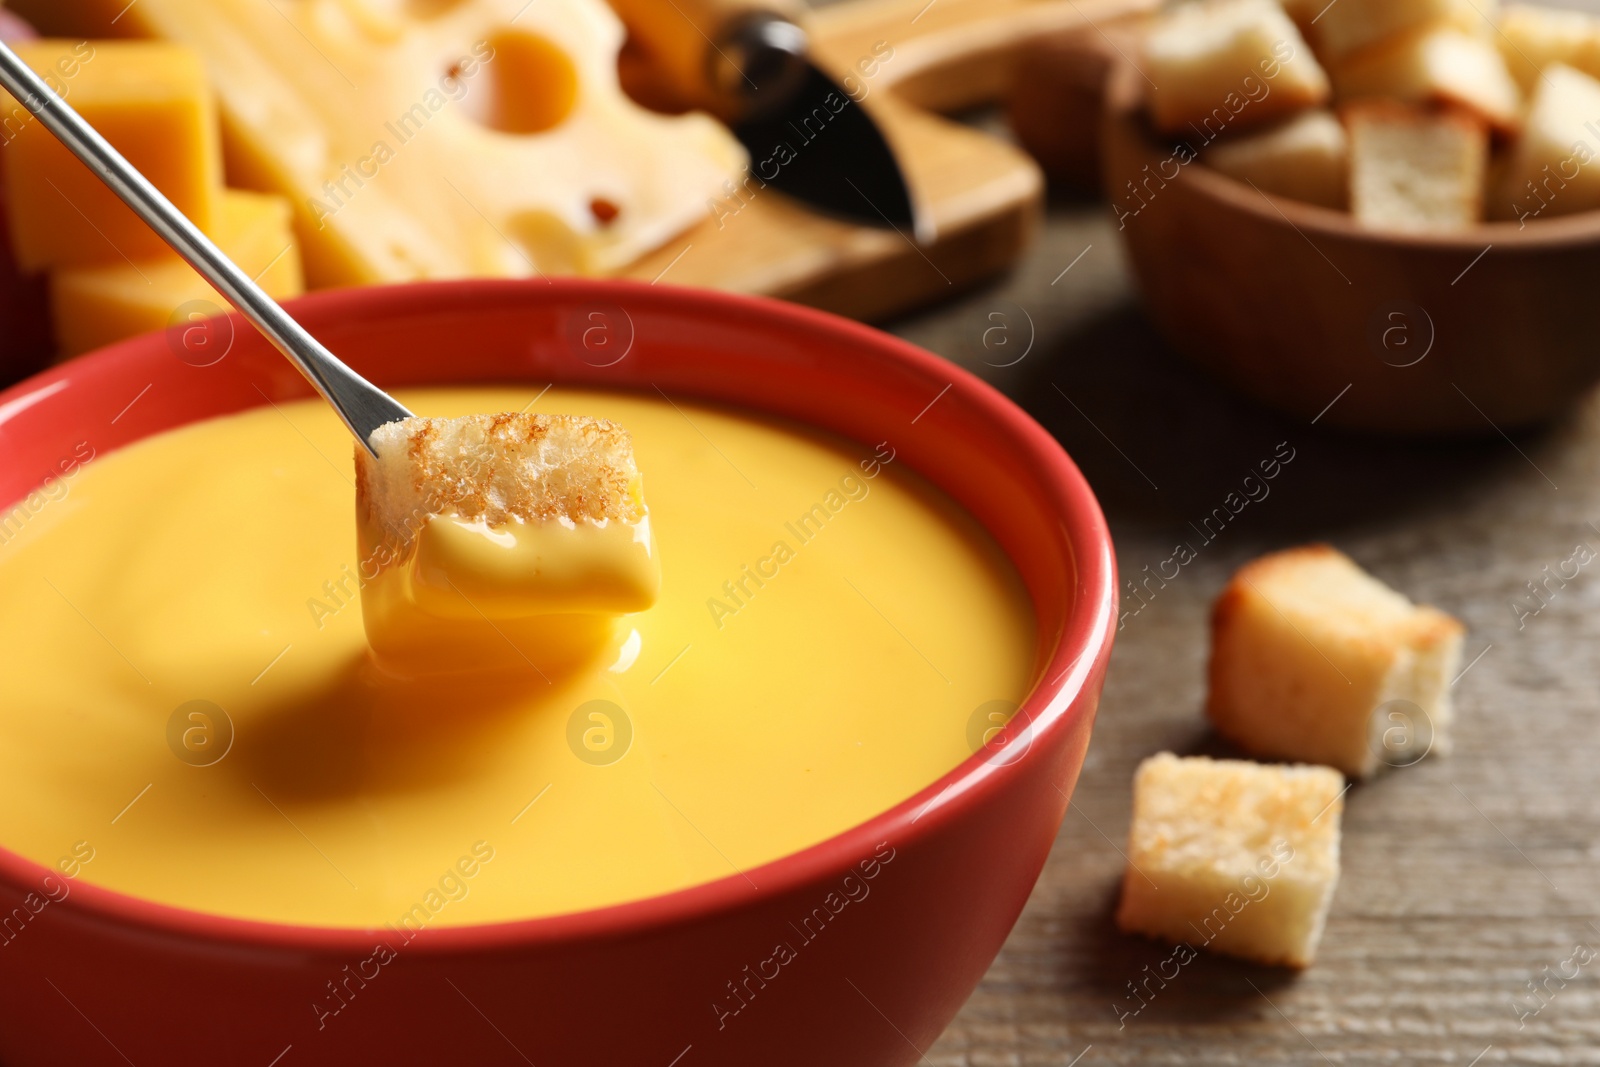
<point x="486" y="536"/>
<point x="1413" y="170"/>
<point x="1345" y="27"/>
<point x="1554" y="170"/>
<point x="1304" y="13"/>
<point x="1229" y="64"/>
<point x="1312" y="659"/>
<point x="1305" y="158"/>
<point x="1234" y="856"/>
<point x="496" y="468"/>
<point x="1532" y="38"/>
<point x="1435" y="65"/>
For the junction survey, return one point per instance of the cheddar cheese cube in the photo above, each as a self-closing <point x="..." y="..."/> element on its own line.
<point x="97" y="306"/>
<point x="1229" y="64"/>
<point x="150" y="100"/>
<point x="1233" y="856"/>
<point x="1314" y="660"/>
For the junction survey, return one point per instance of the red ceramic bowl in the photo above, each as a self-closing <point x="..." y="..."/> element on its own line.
<point x="103" y="978"/>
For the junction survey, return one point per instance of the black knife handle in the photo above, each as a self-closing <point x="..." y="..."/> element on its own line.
<point x="757" y="64"/>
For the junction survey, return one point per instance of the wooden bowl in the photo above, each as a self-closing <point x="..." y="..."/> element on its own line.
<point x="1296" y="305"/>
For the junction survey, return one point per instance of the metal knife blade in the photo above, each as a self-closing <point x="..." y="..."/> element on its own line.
<point x="747" y="61"/>
<point x="821" y="147"/>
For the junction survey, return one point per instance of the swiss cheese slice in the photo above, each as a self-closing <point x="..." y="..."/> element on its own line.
<point x="438" y="138"/>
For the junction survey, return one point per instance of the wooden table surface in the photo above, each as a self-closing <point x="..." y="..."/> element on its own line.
<point x="1463" y="877"/>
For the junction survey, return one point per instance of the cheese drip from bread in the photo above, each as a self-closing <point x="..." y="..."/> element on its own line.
<point x="500" y="540"/>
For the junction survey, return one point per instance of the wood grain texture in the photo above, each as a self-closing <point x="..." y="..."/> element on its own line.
<point x="1464" y="877"/>
<point x="1057" y="97"/>
<point x="980" y="194"/>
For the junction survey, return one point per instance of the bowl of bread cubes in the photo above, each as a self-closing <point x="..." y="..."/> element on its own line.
<point x="1391" y="203"/>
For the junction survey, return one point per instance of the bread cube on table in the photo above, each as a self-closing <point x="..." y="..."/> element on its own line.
<point x="151" y="100"/>
<point x="1532" y="38"/>
<point x="1345" y="27"/>
<point x="1238" y="857"/>
<point x="1555" y="166"/>
<point x="1314" y="660"/>
<point x="1435" y="65"/>
<point x="1416" y="170"/>
<point x="1221" y="65"/>
<point x="1305" y="158"/>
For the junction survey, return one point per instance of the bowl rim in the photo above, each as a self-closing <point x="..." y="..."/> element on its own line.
<point x="1124" y="109"/>
<point x="1056" y="702"/>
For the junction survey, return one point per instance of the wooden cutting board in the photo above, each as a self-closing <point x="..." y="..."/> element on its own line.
<point x="981" y="194"/>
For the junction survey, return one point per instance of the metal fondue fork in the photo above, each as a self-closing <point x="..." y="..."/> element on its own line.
<point x="363" y="406"/>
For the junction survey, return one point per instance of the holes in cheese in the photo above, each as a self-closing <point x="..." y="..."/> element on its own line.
<point x="398" y="171"/>
<point x="531" y="86"/>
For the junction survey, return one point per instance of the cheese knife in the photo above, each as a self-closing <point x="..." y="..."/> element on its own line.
<point x="748" y="63"/>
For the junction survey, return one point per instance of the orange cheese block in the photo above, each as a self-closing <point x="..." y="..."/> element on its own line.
<point x="151" y="101"/>
<point x="96" y="306"/>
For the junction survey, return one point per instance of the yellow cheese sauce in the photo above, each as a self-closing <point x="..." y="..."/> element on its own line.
<point x="189" y="697"/>
<point x="475" y="598"/>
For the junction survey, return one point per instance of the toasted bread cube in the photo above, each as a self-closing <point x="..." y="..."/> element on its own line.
<point x="1532" y="38"/>
<point x="151" y="100"/>
<point x="1307" y="653"/>
<point x="488" y="540"/>
<point x="1226" y="64"/>
<point x="96" y="306"/>
<point x="1347" y="26"/>
<point x="1304" y="13"/>
<point x="1413" y="170"/>
<point x="1306" y="158"/>
<point x="1435" y="65"/>
<point x="1233" y="856"/>
<point x="1551" y="169"/>
<point x="500" y="468"/>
